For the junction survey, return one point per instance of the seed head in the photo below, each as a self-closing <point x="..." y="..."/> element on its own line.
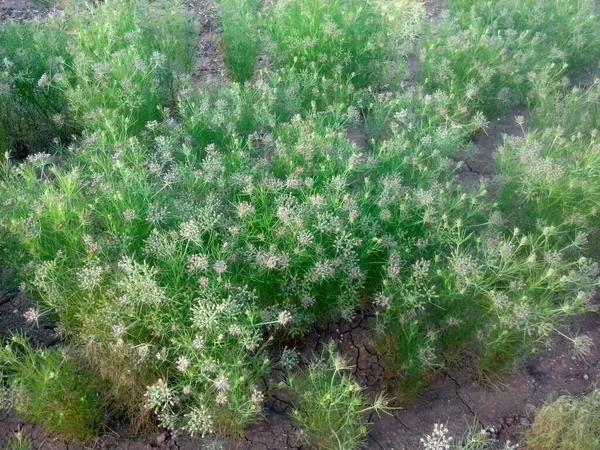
<point x="284" y="318"/>
<point x="220" y="267"/>
<point x="198" y="343"/>
<point x="222" y="383"/>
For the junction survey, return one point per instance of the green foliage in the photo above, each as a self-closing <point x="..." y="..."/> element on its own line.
<point x="565" y="27"/>
<point x="185" y="230"/>
<point x="345" y="38"/>
<point x="552" y="174"/>
<point x="48" y="388"/>
<point x="555" y="178"/>
<point x="574" y="110"/>
<point x="464" y="273"/>
<point x="486" y="52"/>
<point x="329" y="405"/>
<point x="240" y="39"/>
<point x="18" y="441"/>
<point x="33" y="111"/>
<point x="568" y="423"/>
<point x="229" y="112"/>
<point x="503" y="289"/>
<point x="47" y="3"/>
<point x="127" y="57"/>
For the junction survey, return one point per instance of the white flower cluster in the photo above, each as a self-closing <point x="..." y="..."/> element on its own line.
<point x="438" y="439"/>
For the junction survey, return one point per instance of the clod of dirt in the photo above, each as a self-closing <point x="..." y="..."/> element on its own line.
<point x="21" y="11"/>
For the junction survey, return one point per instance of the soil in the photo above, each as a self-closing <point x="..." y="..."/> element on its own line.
<point x="503" y="409"/>
<point x="12" y="307"/>
<point x="21" y="11"/>
<point x="210" y="68"/>
<point x="434" y="8"/>
<point x="478" y="158"/>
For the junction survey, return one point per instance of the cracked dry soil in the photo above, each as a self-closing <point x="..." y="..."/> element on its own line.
<point x="453" y="397"/>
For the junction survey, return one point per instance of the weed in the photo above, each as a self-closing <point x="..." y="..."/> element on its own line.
<point x="33" y="112"/>
<point x="473" y="439"/>
<point x="126" y="59"/>
<point x="345" y="37"/>
<point x="574" y="109"/>
<point x="240" y="39"/>
<point x="228" y="113"/>
<point x="422" y="326"/>
<point x="568" y="423"/>
<point x="563" y="26"/>
<point x="551" y="174"/>
<point x="487" y="52"/>
<point x="329" y="404"/>
<point x="49" y="388"/>
<point x="183" y="230"/>
<point x="18" y="441"/>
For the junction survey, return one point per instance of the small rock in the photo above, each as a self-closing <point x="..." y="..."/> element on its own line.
<point x="493" y="430"/>
<point x="162" y="437"/>
<point x="586" y="376"/>
<point x="524" y="421"/>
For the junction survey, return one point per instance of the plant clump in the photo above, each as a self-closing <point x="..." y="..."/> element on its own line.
<point x="567" y="423"/>
<point x="50" y="388"/>
<point x="329" y="405"/>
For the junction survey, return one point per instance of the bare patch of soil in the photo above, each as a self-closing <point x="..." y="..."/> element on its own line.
<point x="21" y="11"/>
<point x="13" y="306"/>
<point x="434" y="8"/>
<point x="478" y="159"/>
<point x="209" y="68"/>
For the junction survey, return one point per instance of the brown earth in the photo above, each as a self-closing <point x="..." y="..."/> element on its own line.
<point x="478" y="158"/>
<point x="21" y="11"/>
<point x="453" y="398"/>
